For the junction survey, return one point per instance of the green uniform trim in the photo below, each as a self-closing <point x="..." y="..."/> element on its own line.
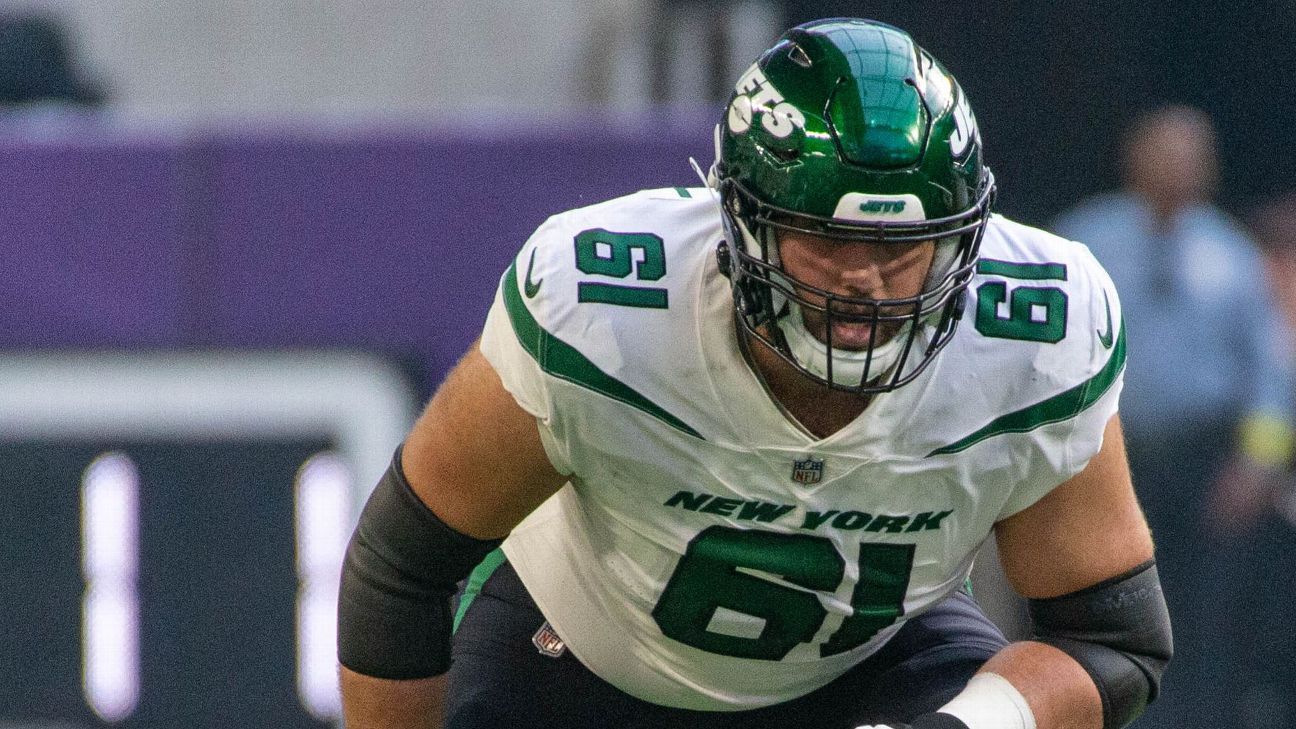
<point x="476" y="579"/>
<point x="683" y="192"/>
<point x="1027" y="271"/>
<point x="1057" y="408"/>
<point x="563" y="361"/>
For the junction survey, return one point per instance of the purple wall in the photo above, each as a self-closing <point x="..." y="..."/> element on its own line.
<point x="380" y="238"/>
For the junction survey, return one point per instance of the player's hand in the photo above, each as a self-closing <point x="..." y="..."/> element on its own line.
<point x="935" y="720"/>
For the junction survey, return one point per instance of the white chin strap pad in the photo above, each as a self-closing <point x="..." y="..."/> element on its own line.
<point x="847" y="365"/>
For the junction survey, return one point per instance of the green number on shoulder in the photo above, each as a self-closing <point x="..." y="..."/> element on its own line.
<point x="601" y="252"/>
<point x="1035" y="313"/>
<point x="715" y="574"/>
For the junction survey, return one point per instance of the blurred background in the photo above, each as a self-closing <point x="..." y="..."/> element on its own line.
<point x="241" y="242"/>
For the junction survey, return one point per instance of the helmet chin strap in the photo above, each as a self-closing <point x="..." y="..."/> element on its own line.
<point x="847" y="365"/>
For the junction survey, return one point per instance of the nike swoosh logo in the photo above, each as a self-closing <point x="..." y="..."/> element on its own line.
<point x="532" y="288"/>
<point x="1106" y="339"/>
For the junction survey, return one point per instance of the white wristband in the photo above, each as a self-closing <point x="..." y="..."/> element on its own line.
<point x="990" y="701"/>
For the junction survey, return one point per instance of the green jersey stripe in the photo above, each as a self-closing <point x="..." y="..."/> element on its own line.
<point x="564" y="362"/>
<point x="1057" y="408"/>
<point x="1027" y="271"/>
<point x="480" y="574"/>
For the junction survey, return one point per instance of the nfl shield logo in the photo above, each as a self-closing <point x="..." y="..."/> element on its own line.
<point x="808" y="471"/>
<point x="547" y="641"/>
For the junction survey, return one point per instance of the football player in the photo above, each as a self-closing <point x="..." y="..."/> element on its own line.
<point x="723" y="455"/>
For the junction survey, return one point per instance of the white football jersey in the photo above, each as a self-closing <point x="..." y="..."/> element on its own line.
<point x="708" y="553"/>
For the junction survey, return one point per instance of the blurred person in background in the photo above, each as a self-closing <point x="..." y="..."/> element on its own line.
<point x="672" y="51"/>
<point x="1208" y="413"/>
<point x="1260" y="652"/>
<point x="1274" y="227"/>
<point x="38" y="66"/>
<point x="744" y="452"/>
<point x="728" y="32"/>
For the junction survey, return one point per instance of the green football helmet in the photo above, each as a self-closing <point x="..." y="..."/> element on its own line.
<point x="848" y="130"/>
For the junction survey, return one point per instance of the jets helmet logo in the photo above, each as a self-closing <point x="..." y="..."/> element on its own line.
<point x="965" y="128"/>
<point x="756" y="95"/>
<point x="883" y="207"/>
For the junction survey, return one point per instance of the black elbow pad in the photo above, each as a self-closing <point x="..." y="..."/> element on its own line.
<point x="401" y="568"/>
<point x="1119" y="631"/>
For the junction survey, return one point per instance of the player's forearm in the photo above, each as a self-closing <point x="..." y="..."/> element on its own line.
<point x="378" y="703"/>
<point x="1027" y="685"/>
<point x="1060" y="693"/>
<point x="1096" y="660"/>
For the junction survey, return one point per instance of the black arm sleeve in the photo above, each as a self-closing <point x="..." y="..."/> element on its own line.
<point x="1119" y="631"/>
<point x="401" y="568"/>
